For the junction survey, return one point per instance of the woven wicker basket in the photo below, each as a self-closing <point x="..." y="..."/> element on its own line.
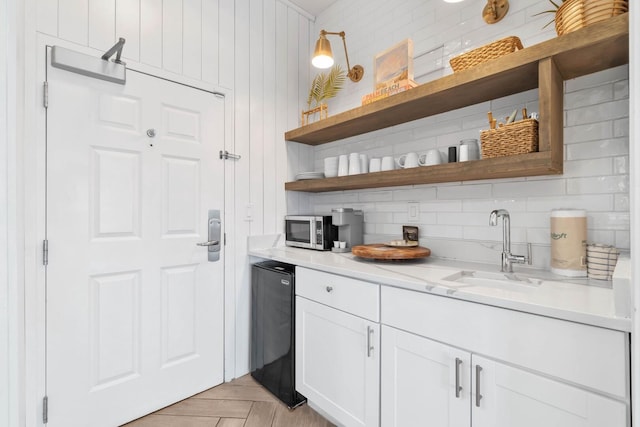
<point x="485" y="53"/>
<point x="520" y="137"/>
<point x="576" y="14"/>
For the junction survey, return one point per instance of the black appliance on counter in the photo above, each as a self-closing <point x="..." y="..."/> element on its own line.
<point x="273" y="330"/>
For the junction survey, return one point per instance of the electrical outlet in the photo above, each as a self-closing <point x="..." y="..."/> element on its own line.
<point x="413" y="212"/>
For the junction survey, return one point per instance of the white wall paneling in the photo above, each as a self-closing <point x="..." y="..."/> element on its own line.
<point x="192" y="50"/>
<point x="151" y="32"/>
<point x="172" y="35"/>
<point x="127" y="25"/>
<point x="73" y="21"/>
<point x="102" y="24"/>
<point x="634" y="164"/>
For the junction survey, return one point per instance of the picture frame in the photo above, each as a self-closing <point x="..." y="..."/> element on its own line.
<point x="394" y="65"/>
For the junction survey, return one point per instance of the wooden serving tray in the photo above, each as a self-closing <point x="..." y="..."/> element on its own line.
<point x="382" y="251"/>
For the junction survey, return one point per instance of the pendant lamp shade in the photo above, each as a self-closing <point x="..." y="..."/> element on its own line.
<point x="322" y="55"/>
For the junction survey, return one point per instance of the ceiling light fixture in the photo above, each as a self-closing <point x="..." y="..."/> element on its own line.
<point x="323" y="57"/>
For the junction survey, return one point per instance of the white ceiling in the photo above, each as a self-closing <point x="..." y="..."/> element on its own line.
<point x="314" y="7"/>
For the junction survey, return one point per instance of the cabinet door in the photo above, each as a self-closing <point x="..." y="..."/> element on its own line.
<point x="419" y="379"/>
<point x="337" y="363"/>
<point x="514" y="397"/>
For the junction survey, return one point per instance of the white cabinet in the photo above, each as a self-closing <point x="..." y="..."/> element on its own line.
<point x="515" y="369"/>
<point x="420" y="377"/>
<point x="423" y="382"/>
<point x="514" y="397"/>
<point x="338" y="353"/>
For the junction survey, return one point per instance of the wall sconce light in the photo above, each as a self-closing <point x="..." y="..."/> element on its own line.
<point x="323" y="57"/>
<point x="495" y="10"/>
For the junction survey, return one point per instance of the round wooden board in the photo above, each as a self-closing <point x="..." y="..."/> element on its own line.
<point x="382" y="251"/>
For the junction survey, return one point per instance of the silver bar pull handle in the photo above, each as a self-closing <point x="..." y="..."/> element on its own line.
<point x="209" y="243"/>
<point x="369" y="341"/>
<point x="458" y="386"/>
<point x="478" y="395"/>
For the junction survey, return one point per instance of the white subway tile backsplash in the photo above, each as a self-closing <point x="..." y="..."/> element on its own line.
<point x="529" y="188"/>
<point x="621" y="165"/>
<point x="592" y="96"/>
<point x="588" y="132"/>
<point x="600" y="184"/>
<point x="596" y="113"/>
<point x="454" y="216"/>
<point x="597" y="79"/>
<point x="465" y="191"/>
<point x="590" y="167"/>
<point x="415" y="194"/>
<point x="597" y="149"/>
<point x="598" y="202"/>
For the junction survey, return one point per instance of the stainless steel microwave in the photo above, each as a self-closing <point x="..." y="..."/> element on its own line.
<point x="309" y="232"/>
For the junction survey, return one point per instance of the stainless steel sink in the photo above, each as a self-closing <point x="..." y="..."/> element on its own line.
<point x="507" y="281"/>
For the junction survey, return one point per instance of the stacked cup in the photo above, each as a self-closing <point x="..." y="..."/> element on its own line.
<point x="330" y="167"/>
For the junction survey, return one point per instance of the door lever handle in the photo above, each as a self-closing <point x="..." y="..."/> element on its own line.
<point x="209" y="243"/>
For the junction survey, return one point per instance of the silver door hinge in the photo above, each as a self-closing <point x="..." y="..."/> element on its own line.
<point x="45" y="409"/>
<point x="225" y="239"/>
<point x="45" y="94"/>
<point x="45" y="252"/>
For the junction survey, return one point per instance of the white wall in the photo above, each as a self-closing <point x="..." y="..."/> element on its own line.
<point x="11" y="347"/>
<point x="454" y="216"/>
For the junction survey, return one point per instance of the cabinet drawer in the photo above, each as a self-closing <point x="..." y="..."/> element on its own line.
<point x="593" y="357"/>
<point x="346" y="294"/>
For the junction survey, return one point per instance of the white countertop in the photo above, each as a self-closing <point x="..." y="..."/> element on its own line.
<point x="584" y="301"/>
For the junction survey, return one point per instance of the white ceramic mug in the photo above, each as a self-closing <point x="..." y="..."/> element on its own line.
<point x="375" y="165"/>
<point x="343" y="165"/>
<point x="409" y="160"/>
<point x="387" y="163"/>
<point x="354" y="164"/>
<point x="331" y="167"/>
<point x="432" y="157"/>
<point x="364" y="163"/>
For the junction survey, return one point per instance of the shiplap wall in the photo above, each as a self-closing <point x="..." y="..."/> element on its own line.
<point x="454" y="217"/>
<point x="258" y="51"/>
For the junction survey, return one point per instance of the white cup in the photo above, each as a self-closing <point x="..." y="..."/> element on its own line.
<point x="354" y="164"/>
<point x="374" y="165"/>
<point x="331" y="167"/>
<point x="472" y="148"/>
<point x="343" y="165"/>
<point x="409" y="160"/>
<point x="387" y="163"/>
<point x="343" y="245"/>
<point x="463" y="153"/>
<point x="364" y="163"/>
<point x="432" y="157"/>
<point x="336" y="243"/>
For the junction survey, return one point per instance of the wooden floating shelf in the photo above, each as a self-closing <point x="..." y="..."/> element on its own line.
<point x="544" y="66"/>
<point x="499" y="167"/>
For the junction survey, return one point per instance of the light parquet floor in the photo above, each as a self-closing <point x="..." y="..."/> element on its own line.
<point x="240" y="403"/>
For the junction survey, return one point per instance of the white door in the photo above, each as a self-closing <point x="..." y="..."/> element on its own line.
<point x="338" y="363"/>
<point x="134" y="309"/>
<point x="514" y="397"/>
<point x="419" y="379"/>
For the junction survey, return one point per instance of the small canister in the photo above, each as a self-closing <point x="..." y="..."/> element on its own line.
<point x="569" y="242"/>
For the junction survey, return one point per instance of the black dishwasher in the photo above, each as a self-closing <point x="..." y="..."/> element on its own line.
<point x="273" y="330"/>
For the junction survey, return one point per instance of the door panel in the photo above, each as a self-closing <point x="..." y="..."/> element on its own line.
<point x="419" y="380"/>
<point x="512" y="396"/>
<point x="134" y="309"/>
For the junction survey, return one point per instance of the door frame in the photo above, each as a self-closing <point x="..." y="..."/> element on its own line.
<point x="35" y="217"/>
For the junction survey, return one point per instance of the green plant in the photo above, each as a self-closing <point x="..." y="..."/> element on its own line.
<point x="326" y="85"/>
<point x="556" y="6"/>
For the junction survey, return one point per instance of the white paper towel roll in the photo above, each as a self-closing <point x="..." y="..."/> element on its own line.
<point x="569" y="242"/>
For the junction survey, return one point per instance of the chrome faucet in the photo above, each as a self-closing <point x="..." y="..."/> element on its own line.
<point x="507" y="257"/>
